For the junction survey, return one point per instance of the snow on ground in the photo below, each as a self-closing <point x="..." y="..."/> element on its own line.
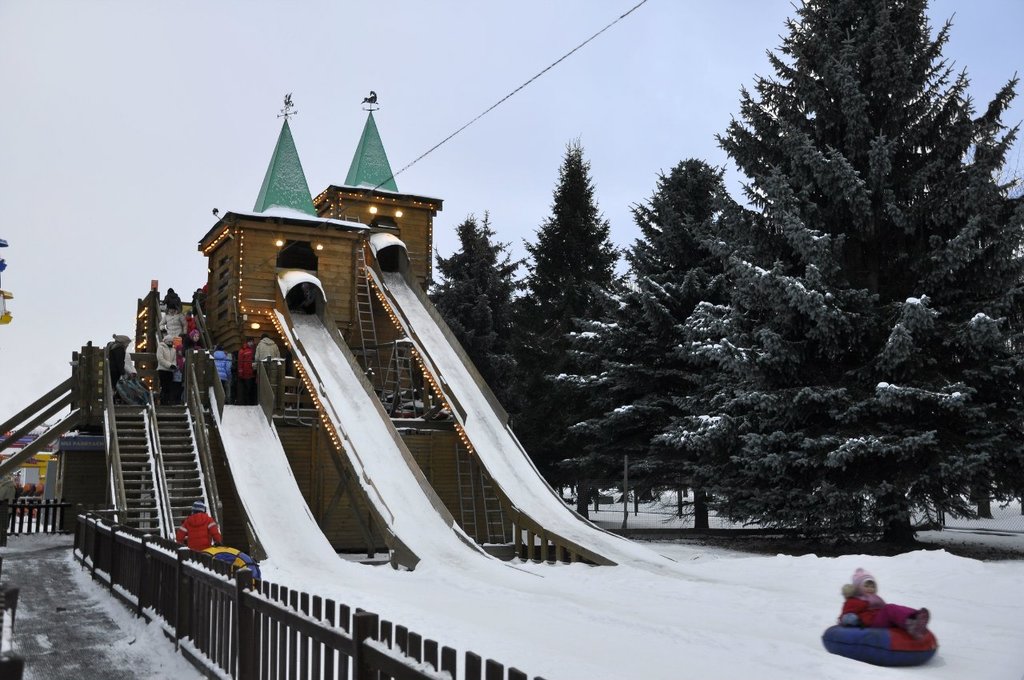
<point x="131" y="643"/>
<point x="713" y="613"/>
<point x="724" y="615"/>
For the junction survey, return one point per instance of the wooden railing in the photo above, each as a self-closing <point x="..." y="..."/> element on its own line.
<point x="118" y="497"/>
<point x="256" y="629"/>
<point x="31" y="516"/>
<point x="156" y="453"/>
<point x="194" y="400"/>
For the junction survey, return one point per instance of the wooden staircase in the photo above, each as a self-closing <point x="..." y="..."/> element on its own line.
<point x="180" y="461"/>
<point x="141" y="509"/>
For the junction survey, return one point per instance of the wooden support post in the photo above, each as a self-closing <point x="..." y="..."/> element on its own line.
<point x="474" y="665"/>
<point x="493" y="670"/>
<point x="114" y="557"/>
<point x="144" y="586"/>
<point x="245" y="642"/>
<point x="364" y="627"/>
<point x="183" y="599"/>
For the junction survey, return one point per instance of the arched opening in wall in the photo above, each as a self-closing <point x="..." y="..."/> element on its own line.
<point x="297" y="255"/>
<point x="391" y="258"/>
<point x="304" y="298"/>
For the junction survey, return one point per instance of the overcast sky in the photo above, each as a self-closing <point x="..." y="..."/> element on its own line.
<point x="122" y="124"/>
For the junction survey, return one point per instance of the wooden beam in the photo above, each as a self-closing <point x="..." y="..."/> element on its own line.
<point x="35" y="406"/>
<point x="32" y="424"/>
<point x="44" y="440"/>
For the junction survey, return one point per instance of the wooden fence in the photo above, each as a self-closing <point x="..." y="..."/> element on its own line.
<point x="260" y="630"/>
<point x="31" y="516"/>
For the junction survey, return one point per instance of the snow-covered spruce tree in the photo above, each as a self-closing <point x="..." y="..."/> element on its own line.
<point x="870" y="360"/>
<point x="571" y="259"/>
<point x="474" y="296"/>
<point x="646" y="375"/>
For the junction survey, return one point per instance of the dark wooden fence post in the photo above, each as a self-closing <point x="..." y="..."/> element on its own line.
<point x="114" y="561"/>
<point x="364" y="627"/>
<point x="183" y="599"/>
<point x="144" y="587"/>
<point x="474" y="666"/>
<point x="245" y="644"/>
<point x="11" y="667"/>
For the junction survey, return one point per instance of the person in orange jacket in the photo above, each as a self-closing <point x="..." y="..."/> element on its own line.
<point x="199" y="531"/>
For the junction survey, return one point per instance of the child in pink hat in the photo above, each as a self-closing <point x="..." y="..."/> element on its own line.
<point x="863" y="607"/>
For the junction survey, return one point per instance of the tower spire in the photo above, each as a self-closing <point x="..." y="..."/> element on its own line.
<point x="370" y="166"/>
<point x="285" y="184"/>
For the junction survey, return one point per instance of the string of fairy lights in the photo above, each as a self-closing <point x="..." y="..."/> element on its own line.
<point x="425" y="371"/>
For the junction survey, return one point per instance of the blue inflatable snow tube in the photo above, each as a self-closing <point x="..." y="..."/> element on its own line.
<point x="880" y="646"/>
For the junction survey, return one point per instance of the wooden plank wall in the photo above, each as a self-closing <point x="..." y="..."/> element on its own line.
<point x="434" y="451"/>
<point x="335" y="269"/>
<point x="82" y="478"/>
<point x="317" y="477"/>
<point x="221" y="312"/>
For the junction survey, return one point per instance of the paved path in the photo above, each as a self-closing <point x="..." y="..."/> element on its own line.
<point x="69" y="627"/>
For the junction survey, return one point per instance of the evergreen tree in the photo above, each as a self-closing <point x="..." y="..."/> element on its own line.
<point x="571" y="259"/>
<point x="475" y="297"/>
<point x="647" y="376"/>
<point x="869" y="361"/>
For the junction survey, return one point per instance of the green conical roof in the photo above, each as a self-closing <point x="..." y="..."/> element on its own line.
<point x="285" y="184"/>
<point x="370" y="167"/>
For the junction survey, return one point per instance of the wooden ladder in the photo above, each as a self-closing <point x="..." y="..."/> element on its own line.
<point x="471" y="476"/>
<point x="399" y="387"/>
<point x="467" y="491"/>
<point x="364" y="315"/>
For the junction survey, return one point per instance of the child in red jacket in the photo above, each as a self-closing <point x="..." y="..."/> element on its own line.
<point x="199" y="531"/>
<point x="863" y="607"/>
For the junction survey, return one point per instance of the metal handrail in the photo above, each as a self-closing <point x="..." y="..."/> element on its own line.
<point x="194" y="402"/>
<point x="113" y="448"/>
<point x="156" y="457"/>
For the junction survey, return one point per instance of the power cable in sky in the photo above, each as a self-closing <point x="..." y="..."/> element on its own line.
<point x="509" y="95"/>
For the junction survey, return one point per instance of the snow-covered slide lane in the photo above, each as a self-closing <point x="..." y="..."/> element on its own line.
<point x="384" y="467"/>
<point x="497" y="447"/>
<point x="266" y="486"/>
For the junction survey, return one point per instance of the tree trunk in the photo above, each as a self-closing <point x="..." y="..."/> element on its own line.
<point x="583" y="497"/>
<point x="700" y="509"/>
<point x="983" y="502"/>
<point x="899" y="531"/>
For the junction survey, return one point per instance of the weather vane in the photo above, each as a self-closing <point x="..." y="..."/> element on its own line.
<point x="287" y="112"/>
<point x="371" y="101"/>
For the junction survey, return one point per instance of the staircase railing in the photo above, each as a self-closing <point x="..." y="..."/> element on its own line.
<point x="160" y="490"/>
<point x="118" y="498"/>
<point x="200" y="317"/>
<point x="194" y="401"/>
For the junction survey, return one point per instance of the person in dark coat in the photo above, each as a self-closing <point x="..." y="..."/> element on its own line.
<point x="199" y="531"/>
<point x="116" y="349"/>
<point x="172" y="300"/>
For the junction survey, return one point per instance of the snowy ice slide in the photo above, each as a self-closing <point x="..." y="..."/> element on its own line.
<point x="401" y="496"/>
<point x="279" y="515"/>
<point x="497" y="447"/>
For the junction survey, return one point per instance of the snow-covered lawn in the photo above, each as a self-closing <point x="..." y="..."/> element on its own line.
<point x="717" y="613"/>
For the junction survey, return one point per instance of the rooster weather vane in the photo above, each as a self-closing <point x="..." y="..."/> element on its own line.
<point x="371" y="101"/>
<point x="287" y="112"/>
